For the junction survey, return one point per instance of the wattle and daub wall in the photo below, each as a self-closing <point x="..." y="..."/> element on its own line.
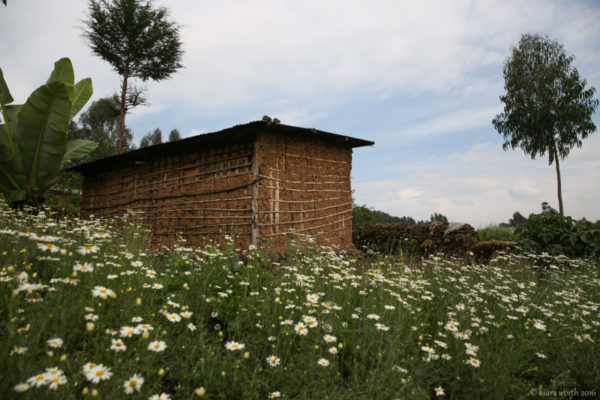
<point x="256" y="183"/>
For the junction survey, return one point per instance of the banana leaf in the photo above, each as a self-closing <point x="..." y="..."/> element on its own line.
<point x="40" y="136"/>
<point x="78" y="148"/>
<point x="33" y="142"/>
<point x="82" y="93"/>
<point x="62" y="72"/>
<point x="5" y="97"/>
<point x="12" y="176"/>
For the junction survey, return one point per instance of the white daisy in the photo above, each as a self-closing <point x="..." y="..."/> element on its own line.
<point x="118" y="345"/>
<point x="97" y="373"/>
<point x="157" y="346"/>
<point x="133" y="384"/>
<point x="323" y="362"/>
<point x="273" y="361"/>
<point x="233" y="346"/>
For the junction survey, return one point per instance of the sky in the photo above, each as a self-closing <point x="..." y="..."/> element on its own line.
<point x="422" y="79"/>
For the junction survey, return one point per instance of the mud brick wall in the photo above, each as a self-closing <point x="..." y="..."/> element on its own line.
<point x="304" y="187"/>
<point x="201" y="195"/>
<point x="257" y="183"/>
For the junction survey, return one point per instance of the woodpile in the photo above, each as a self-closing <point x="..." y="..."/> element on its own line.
<point x="421" y="239"/>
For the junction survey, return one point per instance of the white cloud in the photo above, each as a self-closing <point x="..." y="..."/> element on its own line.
<point x="451" y="122"/>
<point x="489" y="187"/>
<point x="523" y="189"/>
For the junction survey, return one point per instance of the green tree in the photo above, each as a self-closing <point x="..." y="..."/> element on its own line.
<point x="100" y="123"/>
<point x="151" y="138"/>
<point x="547" y="107"/>
<point x="517" y="219"/>
<point x="138" y="41"/>
<point x="438" y="217"/>
<point x="174" y="135"/>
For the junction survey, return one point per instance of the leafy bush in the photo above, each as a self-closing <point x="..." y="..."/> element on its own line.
<point x="498" y="232"/>
<point x="368" y="215"/>
<point x="556" y="234"/>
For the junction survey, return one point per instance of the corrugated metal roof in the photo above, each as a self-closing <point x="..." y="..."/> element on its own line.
<point x="238" y="133"/>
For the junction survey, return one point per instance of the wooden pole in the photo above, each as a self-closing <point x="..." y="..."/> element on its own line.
<point x="254" y="201"/>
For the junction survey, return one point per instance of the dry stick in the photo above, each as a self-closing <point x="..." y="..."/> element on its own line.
<point x="204" y="233"/>
<point x="197" y="175"/>
<point x="309" y="211"/>
<point x="308" y="201"/>
<point x="133" y="170"/>
<point x="310" y="228"/>
<point x="160" y="206"/>
<point x="302" y="182"/>
<point x="230" y="189"/>
<point x="206" y="217"/>
<point x="121" y="194"/>
<point x="310" y="191"/>
<point x="212" y="226"/>
<point x="309" y="220"/>
<point x="317" y="159"/>
<point x="135" y="174"/>
<point x="205" y="209"/>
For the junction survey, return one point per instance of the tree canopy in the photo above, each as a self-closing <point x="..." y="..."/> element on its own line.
<point x="151" y="138"/>
<point x="547" y="107"/>
<point x="100" y="123"/>
<point x="138" y="41"/>
<point x="174" y="135"/>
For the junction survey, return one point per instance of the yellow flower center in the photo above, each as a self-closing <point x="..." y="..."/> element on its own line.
<point x="99" y="372"/>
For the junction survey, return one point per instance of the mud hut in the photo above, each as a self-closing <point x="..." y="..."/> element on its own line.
<point x="255" y="182"/>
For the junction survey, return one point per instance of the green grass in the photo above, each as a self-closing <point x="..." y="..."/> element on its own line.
<point x="395" y="332"/>
<point x="496" y="232"/>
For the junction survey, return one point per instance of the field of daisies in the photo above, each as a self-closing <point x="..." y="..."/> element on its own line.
<point x="89" y="310"/>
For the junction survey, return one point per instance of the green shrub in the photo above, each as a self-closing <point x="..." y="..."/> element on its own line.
<point x="556" y="234"/>
<point x="496" y="232"/>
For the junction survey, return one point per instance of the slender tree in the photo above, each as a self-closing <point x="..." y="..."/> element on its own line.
<point x="174" y="135"/>
<point x="547" y="107"/>
<point x="138" y="41"/>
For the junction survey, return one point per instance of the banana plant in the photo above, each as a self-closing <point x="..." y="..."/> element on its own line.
<point x="33" y="136"/>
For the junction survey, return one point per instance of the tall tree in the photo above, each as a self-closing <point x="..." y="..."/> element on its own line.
<point x="547" y="107"/>
<point x="138" y="41"/>
<point x="174" y="135"/>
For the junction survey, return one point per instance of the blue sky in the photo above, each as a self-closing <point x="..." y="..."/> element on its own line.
<point x="421" y="79"/>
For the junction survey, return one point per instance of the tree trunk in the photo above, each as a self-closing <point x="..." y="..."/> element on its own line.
<point x="560" y="202"/>
<point x="123" y="111"/>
